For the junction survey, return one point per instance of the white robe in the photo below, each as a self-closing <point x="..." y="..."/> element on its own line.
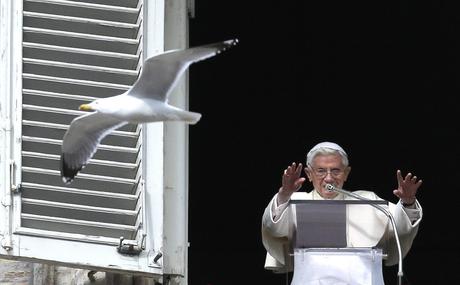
<point x="366" y="227"/>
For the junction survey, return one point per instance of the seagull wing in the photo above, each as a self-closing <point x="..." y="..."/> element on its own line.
<point x="160" y="73"/>
<point x="81" y="140"/>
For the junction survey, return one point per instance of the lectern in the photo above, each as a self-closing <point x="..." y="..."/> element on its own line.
<point x="323" y="253"/>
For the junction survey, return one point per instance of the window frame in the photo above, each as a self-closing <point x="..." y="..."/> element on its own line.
<point x="165" y="169"/>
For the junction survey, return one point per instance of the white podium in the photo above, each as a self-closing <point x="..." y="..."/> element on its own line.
<point x="346" y="266"/>
<point x="318" y="239"/>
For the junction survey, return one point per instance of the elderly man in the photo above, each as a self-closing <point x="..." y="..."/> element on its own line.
<point x="327" y="164"/>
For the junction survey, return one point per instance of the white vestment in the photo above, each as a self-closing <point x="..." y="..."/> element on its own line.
<point x="366" y="227"/>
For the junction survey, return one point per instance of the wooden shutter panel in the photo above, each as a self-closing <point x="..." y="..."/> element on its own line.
<point x="136" y="185"/>
<point x="73" y="53"/>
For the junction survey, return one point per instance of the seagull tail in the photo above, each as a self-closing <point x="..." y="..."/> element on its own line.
<point x="192" y="117"/>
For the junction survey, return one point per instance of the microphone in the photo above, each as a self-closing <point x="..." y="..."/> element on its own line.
<point x="332" y="188"/>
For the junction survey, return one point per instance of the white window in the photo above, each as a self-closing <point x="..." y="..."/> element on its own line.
<point x="127" y="210"/>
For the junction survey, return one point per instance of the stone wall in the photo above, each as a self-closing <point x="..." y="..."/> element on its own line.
<point x="26" y="273"/>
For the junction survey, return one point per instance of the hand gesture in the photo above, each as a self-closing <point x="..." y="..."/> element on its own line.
<point x="291" y="182"/>
<point x="407" y="187"/>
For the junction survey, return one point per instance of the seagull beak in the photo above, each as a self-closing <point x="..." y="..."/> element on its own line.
<point x="85" y="107"/>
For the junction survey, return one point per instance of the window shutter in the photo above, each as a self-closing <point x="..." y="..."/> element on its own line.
<point x="72" y="53"/>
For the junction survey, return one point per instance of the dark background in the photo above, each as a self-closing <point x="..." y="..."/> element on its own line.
<point x="381" y="78"/>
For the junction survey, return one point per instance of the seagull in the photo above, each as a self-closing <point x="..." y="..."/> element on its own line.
<point x="146" y="101"/>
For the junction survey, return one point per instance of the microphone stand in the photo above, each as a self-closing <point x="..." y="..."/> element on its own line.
<point x="331" y="188"/>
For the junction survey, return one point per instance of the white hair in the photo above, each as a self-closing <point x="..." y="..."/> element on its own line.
<point x="325" y="148"/>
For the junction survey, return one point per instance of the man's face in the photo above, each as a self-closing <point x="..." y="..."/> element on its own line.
<point x="327" y="169"/>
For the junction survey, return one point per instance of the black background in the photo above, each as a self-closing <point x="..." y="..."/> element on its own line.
<point x="381" y="78"/>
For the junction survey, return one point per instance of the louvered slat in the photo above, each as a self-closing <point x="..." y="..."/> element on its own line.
<point x="75" y="226"/>
<point x="79" y="71"/>
<point x="85" y="56"/>
<point x="80" y="196"/>
<point x="73" y="53"/>
<point x="118" y="11"/>
<point x="96" y="166"/>
<point x="86" y="181"/>
<point x="79" y="24"/>
<point x="80" y="212"/>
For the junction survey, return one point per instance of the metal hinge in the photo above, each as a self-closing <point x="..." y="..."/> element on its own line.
<point x="14" y="187"/>
<point x="155" y="259"/>
<point x="131" y="247"/>
<point x="7" y="243"/>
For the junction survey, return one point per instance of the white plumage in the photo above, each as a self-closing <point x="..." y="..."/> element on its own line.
<point x="146" y="101"/>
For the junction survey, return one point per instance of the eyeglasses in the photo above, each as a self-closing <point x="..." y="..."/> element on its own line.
<point x="323" y="172"/>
